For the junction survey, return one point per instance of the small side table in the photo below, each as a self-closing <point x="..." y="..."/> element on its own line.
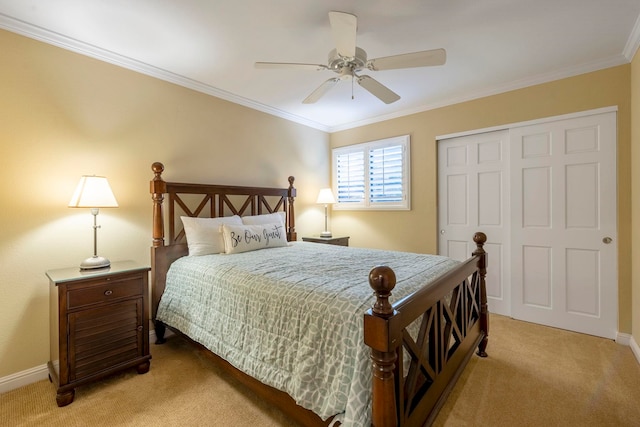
<point x="99" y="322"/>
<point x="339" y="241"/>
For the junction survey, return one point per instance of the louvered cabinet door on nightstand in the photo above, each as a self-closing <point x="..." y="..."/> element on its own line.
<point x="99" y="324"/>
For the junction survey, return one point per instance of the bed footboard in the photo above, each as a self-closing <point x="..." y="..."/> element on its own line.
<point x="453" y="321"/>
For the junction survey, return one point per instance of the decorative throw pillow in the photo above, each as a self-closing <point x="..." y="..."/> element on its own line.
<point x="269" y="218"/>
<point x="244" y="238"/>
<point x="204" y="235"/>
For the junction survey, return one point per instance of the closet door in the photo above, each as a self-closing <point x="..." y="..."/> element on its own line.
<point x="563" y="224"/>
<point x="473" y="195"/>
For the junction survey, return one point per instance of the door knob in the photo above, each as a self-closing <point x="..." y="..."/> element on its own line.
<point x="441" y="231"/>
<point x="607" y="240"/>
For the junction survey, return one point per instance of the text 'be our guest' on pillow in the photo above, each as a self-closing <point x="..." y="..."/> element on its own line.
<point x="244" y="238"/>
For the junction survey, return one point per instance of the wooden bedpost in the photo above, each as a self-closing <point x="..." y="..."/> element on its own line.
<point x="481" y="239"/>
<point x="157" y="188"/>
<point x="379" y="336"/>
<point x="291" y="217"/>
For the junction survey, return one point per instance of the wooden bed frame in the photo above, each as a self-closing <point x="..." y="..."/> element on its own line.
<point x="452" y="311"/>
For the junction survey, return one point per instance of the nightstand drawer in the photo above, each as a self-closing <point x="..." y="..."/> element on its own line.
<point x="106" y="291"/>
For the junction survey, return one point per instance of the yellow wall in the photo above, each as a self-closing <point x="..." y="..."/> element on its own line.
<point x="63" y="115"/>
<point x="416" y="230"/>
<point x="635" y="195"/>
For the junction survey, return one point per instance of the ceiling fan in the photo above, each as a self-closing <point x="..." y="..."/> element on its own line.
<point x="347" y="60"/>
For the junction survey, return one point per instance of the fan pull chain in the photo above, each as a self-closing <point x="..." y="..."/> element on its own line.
<point x="352" y="78"/>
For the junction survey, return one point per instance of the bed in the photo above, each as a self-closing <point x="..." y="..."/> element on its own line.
<point x="324" y="338"/>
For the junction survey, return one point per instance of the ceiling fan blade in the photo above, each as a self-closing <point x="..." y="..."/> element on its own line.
<point x="314" y="67"/>
<point x="378" y="90"/>
<point x="344" y="27"/>
<point x="321" y="90"/>
<point x="424" y="58"/>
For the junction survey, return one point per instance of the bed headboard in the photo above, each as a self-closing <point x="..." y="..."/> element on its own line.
<point x="204" y="200"/>
<point x="221" y="200"/>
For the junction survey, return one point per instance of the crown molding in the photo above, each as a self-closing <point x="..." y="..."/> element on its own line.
<point x="633" y="42"/>
<point x="68" y="43"/>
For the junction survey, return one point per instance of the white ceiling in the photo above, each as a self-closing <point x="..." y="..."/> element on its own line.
<point x="211" y="46"/>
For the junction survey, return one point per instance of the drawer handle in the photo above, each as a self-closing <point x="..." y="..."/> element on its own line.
<point x="108" y="292"/>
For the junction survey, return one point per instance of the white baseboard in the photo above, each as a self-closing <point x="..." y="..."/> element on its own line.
<point x="23" y="378"/>
<point x="29" y="376"/>
<point x="635" y="348"/>
<point x="628" y="340"/>
<point x="623" y="339"/>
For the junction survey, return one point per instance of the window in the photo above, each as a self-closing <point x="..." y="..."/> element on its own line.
<point x="373" y="175"/>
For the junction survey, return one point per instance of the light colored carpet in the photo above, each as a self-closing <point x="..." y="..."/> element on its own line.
<point x="541" y="376"/>
<point x="182" y="388"/>
<point x="534" y="375"/>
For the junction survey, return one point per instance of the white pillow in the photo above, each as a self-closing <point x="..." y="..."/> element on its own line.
<point x="244" y="238"/>
<point x="204" y="235"/>
<point x="269" y="218"/>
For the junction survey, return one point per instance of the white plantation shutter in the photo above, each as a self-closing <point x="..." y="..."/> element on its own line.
<point x="350" y="184"/>
<point x="373" y="175"/>
<point x="385" y="175"/>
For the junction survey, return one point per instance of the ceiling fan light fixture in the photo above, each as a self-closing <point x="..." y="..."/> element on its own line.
<point x="357" y="62"/>
<point x="347" y="59"/>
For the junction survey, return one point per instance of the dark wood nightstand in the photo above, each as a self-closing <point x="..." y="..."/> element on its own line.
<point x="339" y="241"/>
<point x="99" y="324"/>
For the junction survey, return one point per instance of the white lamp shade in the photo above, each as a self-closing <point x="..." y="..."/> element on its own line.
<point x="93" y="192"/>
<point x="325" y="197"/>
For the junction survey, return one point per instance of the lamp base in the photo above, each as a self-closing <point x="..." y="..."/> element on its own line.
<point x="325" y="234"/>
<point x="95" y="262"/>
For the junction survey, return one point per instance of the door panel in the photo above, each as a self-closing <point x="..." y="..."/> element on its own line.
<point x="582" y="282"/>
<point x="536" y="276"/>
<point x="536" y="197"/>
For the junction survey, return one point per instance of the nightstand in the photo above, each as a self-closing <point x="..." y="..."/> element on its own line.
<point x="99" y="324"/>
<point x="339" y="241"/>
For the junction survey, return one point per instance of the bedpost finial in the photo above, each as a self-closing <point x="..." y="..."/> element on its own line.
<point x="382" y="280"/>
<point x="157" y="168"/>
<point x="291" y="179"/>
<point x="480" y="238"/>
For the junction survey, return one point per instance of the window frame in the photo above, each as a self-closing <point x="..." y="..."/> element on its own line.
<point x="366" y="148"/>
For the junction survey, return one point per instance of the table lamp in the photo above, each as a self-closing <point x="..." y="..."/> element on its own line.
<point x="93" y="192"/>
<point x="326" y="198"/>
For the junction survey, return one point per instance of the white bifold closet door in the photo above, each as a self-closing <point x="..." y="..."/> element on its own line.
<point x="564" y="224"/>
<point x="545" y="195"/>
<point x="473" y="195"/>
